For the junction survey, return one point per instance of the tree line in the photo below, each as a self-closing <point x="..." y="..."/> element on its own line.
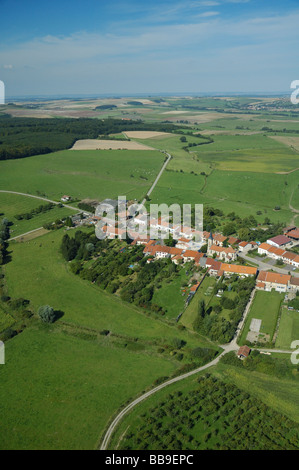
<point x="4" y="236"/>
<point x="24" y="137"/>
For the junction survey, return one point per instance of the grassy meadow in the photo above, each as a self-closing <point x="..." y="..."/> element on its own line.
<point x="59" y="392"/>
<point x="245" y="193"/>
<point x="288" y="329"/>
<point x="97" y="174"/>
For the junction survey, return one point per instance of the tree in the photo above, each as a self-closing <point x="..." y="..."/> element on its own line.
<point x="202" y="308"/>
<point x="46" y="314"/>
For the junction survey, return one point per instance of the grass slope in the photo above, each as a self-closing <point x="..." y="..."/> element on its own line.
<point x="59" y="392"/>
<point x="51" y="282"/>
<point x="89" y="173"/>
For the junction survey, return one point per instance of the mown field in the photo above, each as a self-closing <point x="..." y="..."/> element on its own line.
<point x="83" y="174"/>
<point x="59" y="392"/>
<point x="288" y="329"/>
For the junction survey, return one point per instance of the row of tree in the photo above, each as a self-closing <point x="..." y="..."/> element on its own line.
<point x="4" y="236"/>
<point x="38" y="210"/>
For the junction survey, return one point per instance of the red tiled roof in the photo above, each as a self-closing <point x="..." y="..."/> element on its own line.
<point x="238" y="269"/>
<point x="272" y="277"/>
<point x="244" y="351"/>
<point x="264" y="246"/>
<point x="294" y="234"/>
<point x="280" y="240"/>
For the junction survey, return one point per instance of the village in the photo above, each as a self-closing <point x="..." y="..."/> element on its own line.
<point x="217" y="253"/>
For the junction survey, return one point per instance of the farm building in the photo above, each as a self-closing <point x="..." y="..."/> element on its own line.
<point x="294" y="284"/>
<point x="294" y="234"/>
<point x="66" y="198"/>
<point x="243" y="352"/>
<point x="213" y="266"/>
<point x="279" y="241"/>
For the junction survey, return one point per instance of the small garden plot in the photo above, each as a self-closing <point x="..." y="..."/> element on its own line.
<point x="253" y="334"/>
<point x="265" y="307"/>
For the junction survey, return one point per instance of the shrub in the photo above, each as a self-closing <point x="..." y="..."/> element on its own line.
<point x="46" y="314"/>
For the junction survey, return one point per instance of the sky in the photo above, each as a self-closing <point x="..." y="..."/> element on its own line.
<point x="85" y="47"/>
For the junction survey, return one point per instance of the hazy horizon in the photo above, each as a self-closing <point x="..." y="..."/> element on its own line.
<point x="70" y="47"/>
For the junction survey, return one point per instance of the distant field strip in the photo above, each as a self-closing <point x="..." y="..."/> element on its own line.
<point x="94" y="144"/>
<point x="145" y="134"/>
<point x="290" y="141"/>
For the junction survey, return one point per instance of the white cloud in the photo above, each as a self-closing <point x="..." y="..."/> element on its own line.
<point x="180" y="57"/>
<point x="207" y="14"/>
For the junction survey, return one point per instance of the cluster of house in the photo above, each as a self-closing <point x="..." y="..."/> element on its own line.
<point x="222" y="251"/>
<point x="181" y="253"/>
<point x="276" y="248"/>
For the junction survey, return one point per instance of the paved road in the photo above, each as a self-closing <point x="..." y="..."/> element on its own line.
<point x="266" y="266"/>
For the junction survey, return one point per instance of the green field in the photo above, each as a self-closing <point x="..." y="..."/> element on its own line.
<point x="62" y="383"/>
<point x="182" y="160"/>
<point x="265" y="307"/>
<point x="97" y="174"/>
<point x="5" y="319"/>
<point x="245" y="193"/>
<point x="59" y="392"/>
<point x="288" y="329"/>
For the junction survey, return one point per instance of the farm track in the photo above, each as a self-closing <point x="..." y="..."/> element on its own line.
<point x="232" y="346"/>
<point x="42" y="199"/>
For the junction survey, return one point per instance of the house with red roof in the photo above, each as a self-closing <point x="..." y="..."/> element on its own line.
<point x="279" y="241"/>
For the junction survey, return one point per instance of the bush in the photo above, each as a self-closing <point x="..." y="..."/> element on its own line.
<point x="46" y="314"/>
